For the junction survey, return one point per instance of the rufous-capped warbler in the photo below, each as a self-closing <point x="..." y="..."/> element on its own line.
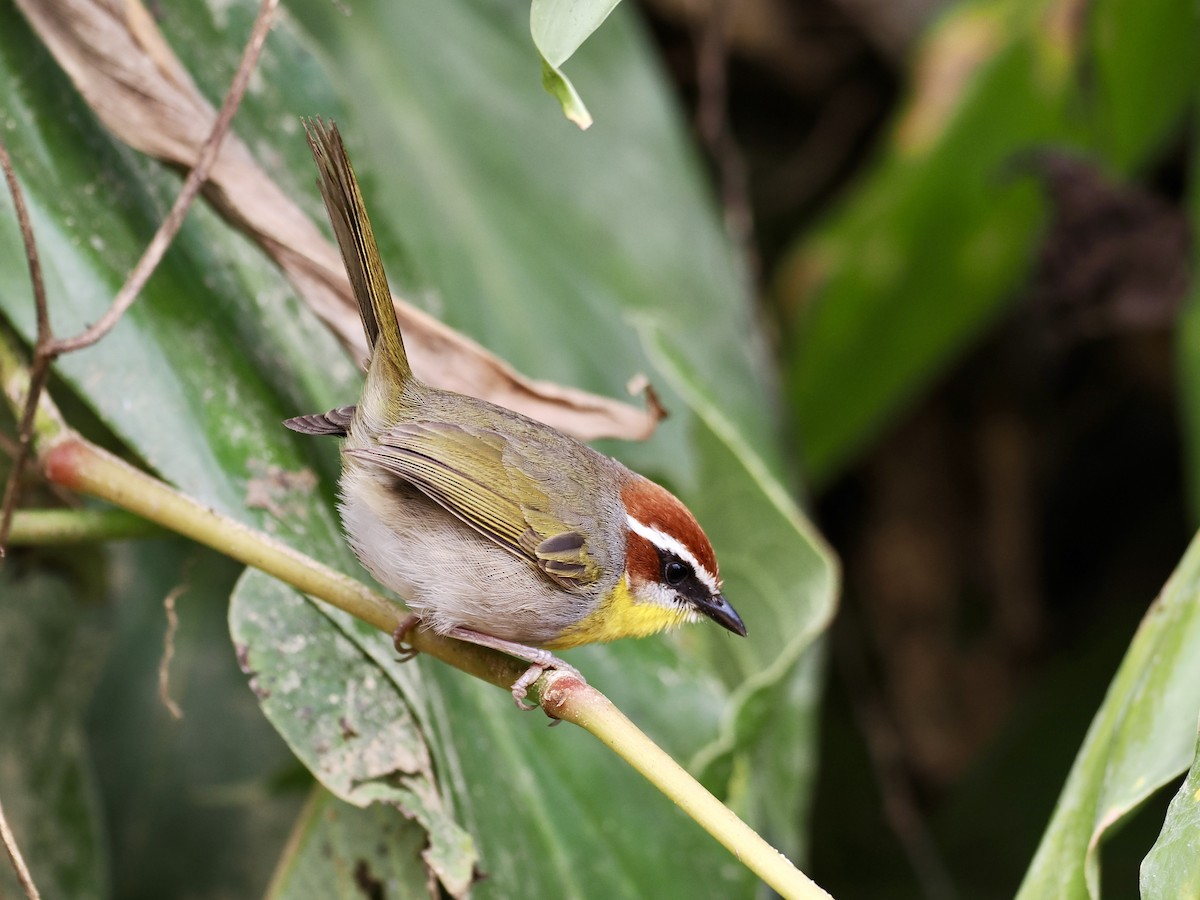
<point x="497" y="529"/>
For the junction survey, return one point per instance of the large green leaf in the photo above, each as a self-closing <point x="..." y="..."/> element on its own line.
<point x="206" y="800"/>
<point x="50" y="660"/>
<point x="342" y="852"/>
<point x="1172" y="868"/>
<point x="925" y="252"/>
<point x="351" y="727"/>
<point x="1142" y="738"/>
<point x="585" y="259"/>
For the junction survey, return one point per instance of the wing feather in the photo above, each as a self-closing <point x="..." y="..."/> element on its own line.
<point x="482" y="478"/>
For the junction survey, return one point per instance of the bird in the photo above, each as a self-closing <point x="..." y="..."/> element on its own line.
<point x="496" y="529"/>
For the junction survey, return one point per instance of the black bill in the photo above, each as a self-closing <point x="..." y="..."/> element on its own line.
<point x="718" y="609"/>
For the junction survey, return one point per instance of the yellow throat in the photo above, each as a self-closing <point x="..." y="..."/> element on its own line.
<point x="619" y="615"/>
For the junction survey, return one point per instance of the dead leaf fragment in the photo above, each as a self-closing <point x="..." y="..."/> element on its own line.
<point x="127" y="73"/>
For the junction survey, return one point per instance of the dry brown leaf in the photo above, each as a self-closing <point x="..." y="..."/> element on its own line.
<point x="124" y="68"/>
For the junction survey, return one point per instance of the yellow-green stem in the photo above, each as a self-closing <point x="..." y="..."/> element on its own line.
<point x="46" y="527"/>
<point x="566" y="697"/>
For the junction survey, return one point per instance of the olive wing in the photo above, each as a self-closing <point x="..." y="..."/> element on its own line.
<point x="488" y="482"/>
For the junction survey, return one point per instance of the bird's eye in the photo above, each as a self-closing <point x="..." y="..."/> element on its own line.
<point x="675" y="572"/>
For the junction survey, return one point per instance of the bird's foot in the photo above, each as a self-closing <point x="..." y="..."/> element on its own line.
<point x="538" y="658"/>
<point x="520" y="687"/>
<point x="407" y="651"/>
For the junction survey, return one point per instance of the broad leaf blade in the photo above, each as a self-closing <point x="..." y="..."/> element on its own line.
<point x="559" y="27"/>
<point x="46" y="783"/>
<point x="1142" y="737"/>
<point x="343" y="852"/>
<point x="345" y="715"/>
<point x="1172" y="868"/>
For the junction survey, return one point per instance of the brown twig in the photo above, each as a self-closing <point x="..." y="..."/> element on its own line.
<point x="164" y="664"/>
<point x="18" y="861"/>
<point x="191" y="188"/>
<point x="41" y="364"/>
<point x="47" y="348"/>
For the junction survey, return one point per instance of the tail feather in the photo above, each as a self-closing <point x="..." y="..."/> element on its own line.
<point x="335" y="422"/>
<point x="352" y="228"/>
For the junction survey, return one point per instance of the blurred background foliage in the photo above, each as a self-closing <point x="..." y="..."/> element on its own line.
<point x="965" y="230"/>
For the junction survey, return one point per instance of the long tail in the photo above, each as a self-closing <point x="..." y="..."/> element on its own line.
<point x="352" y="227"/>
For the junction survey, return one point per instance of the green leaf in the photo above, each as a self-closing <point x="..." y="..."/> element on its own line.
<point x="931" y="245"/>
<point x="46" y="782"/>
<point x="559" y="27"/>
<point x="559" y="87"/>
<point x="1139" y="53"/>
<point x="340" y="851"/>
<point x="1141" y="739"/>
<point x="342" y="716"/>
<point x="1172" y="868"/>
<point x="206" y="800"/>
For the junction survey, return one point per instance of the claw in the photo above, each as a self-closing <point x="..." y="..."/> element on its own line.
<point x="539" y="660"/>
<point x="521" y="686"/>
<point x="406" y="651"/>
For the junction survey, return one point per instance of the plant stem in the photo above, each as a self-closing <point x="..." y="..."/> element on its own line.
<point x="566" y="697"/>
<point x="18" y="861"/>
<point x="45" y="527"/>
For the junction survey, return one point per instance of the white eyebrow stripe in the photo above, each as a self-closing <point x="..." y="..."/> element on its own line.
<point x="664" y="541"/>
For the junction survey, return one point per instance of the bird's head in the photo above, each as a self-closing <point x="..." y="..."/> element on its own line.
<point x="669" y="562"/>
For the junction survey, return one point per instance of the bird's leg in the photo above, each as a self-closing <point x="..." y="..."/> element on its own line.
<point x="406" y="651"/>
<point x="539" y="660"/>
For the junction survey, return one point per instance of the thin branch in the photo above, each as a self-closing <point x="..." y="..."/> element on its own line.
<point x="191" y="188"/>
<point x="31" y="252"/>
<point x="41" y="365"/>
<point x="164" y="664"/>
<point x="47" y="348"/>
<point x="18" y="861"/>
